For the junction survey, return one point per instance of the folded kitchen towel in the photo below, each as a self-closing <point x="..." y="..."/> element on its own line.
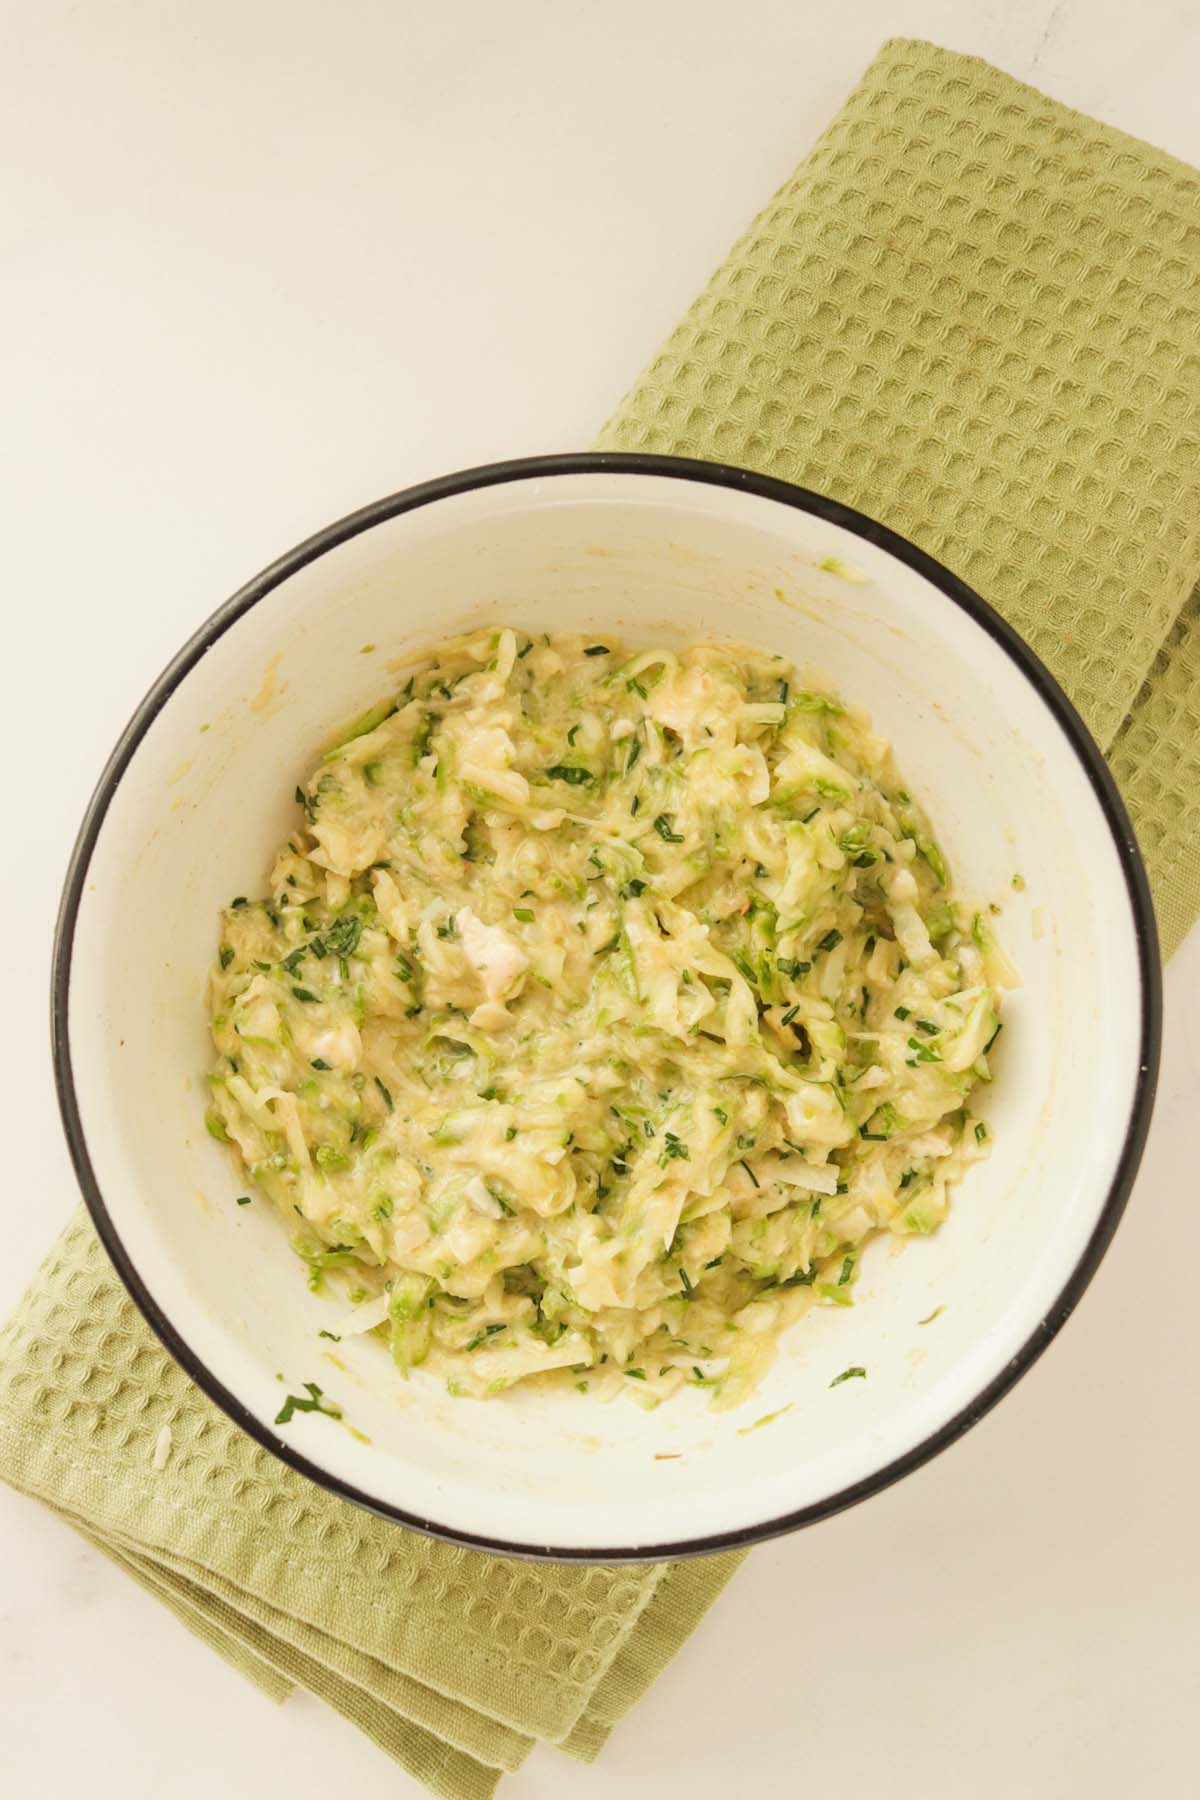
<point x="975" y="315"/>
<point x="452" y="1661"/>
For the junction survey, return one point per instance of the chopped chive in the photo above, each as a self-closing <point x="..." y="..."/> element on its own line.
<point x="847" y="1270"/>
<point x="981" y="1133"/>
<point x="927" y="1027"/>
<point x="572" y="776"/>
<point x="930" y="1317"/>
<point x="242" y="1200"/>
<point x="665" y="827"/>
<point x="596" y="650"/>
<point x="344" y="934"/>
<point x="481" y="1337"/>
<point x="524" y="913"/>
<point x="304" y="994"/>
<point x="849" y="1375"/>
<point x="750" y="1173"/>
<point x="831" y="940"/>
<point x="236" y="905"/>
<point x="316" y="1402"/>
<point x="331" y="1335"/>
<point x="902" y="1012"/>
<point x="387" y="1098"/>
<point x="226" y="955"/>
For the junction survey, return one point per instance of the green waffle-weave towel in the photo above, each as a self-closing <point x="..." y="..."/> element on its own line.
<point x="975" y="315"/>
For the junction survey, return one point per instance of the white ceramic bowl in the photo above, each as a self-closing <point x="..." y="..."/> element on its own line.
<point x="199" y="790"/>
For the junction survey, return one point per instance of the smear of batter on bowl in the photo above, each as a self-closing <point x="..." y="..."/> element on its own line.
<point x="601" y="1007"/>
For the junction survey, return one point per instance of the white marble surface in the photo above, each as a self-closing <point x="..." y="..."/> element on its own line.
<point x="263" y="262"/>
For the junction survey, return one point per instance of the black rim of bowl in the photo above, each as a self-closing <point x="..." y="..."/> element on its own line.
<point x="803" y="500"/>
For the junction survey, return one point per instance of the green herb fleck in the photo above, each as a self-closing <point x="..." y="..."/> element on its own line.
<point x="343" y="935"/>
<point x="855" y="1373"/>
<point x="316" y="1402"/>
<point x="481" y="1337"/>
<point x="665" y="827"/>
